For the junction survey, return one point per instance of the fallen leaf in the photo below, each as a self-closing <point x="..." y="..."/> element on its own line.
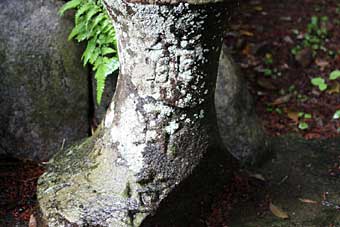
<point x="258" y="176"/>
<point x="32" y="222"/>
<point x="246" y="33"/>
<point x="293" y="115"/>
<point x="334" y="89"/>
<point x="321" y="63"/>
<point x="267" y="84"/>
<point x="282" y="99"/>
<point x="278" y="212"/>
<point x="247" y="50"/>
<point x="258" y="8"/>
<point x="308" y="201"/>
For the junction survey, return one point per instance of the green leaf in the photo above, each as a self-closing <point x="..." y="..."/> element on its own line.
<point x="93" y="11"/>
<point x="319" y="82"/>
<point x="334" y="75"/>
<point x="82" y="10"/>
<point x="97" y="20"/>
<point x="303" y="125"/>
<point x="336" y="115"/>
<point x="107" y="67"/>
<point x="93" y="24"/>
<point x="308" y="116"/>
<point x="91" y="45"/>
<point x="268" y="72"/>
<point x="78" y="29"/>
<point x="100" y="77"/>
<point x="69" y="5"/>
<point x="94" y="58"/>
<point x="107" y="50"/>
<point x="323" y="87"/>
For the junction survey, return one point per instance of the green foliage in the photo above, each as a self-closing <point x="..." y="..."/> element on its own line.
<point x="336" y="115"/>
<point x="303" y="125"/>
<point x="320" y="83"/>
<point x="334" y="75"/>
<point x="93" y="25"/>
<point x="315" y="36"/>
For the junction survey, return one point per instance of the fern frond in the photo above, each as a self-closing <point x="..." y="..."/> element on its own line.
<point x="87" y="6"/>
<point x="107" y="50"/>
<point x="93" y="11"/>
<point x="78" y="29"/>
<point x="69" y="5"/>
<point x="93" y="24"/>
<point x="91" y="46"/>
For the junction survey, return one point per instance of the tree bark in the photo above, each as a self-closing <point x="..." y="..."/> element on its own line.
<point x="158" y="153"/>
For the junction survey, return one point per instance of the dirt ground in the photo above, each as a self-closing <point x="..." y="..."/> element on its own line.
<point x="302" y="179"/>
<point x="281" y="46"/>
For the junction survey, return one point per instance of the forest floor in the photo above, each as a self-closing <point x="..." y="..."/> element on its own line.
<point x="289" y="52"/>
<point x="298" y="187"/>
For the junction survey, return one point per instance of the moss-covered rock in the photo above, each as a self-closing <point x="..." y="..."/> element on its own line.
<point x="240" y="129"/>
<point x="43" y="85"/>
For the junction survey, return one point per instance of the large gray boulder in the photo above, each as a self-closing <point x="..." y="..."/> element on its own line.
<point x="241" y="130"/>
<point x="43" y="85"/>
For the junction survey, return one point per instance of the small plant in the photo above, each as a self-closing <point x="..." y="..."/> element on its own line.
<point x="305" y="115"/>
<point x="315" y="36"/>
<point x="334" y="75"/>
<point x="267" y="72"/>
<point x="303" y="125"/>
<point x="320" y="83"/>
<point x="92" y="25"/>
<point x="268" y="59"/>
<point x="336" y="115"/>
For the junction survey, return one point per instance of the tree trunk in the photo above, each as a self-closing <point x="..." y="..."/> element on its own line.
<point x="158" y="153"/>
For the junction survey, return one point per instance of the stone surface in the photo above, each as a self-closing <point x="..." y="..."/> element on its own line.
<point x="158" y="152"/>
<point x="43" y="85"/>
<point x="240" y="129"/>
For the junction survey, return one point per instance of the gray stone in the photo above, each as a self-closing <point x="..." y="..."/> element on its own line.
<point x="158" y="152"/>
<point x="240" y="129"/>
<point x="239" y="126"/>
<point x="43" y="85"/>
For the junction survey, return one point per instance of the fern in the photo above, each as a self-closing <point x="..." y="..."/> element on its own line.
<point x="93" y="25"/>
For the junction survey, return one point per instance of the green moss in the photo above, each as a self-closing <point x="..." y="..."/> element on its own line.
<point x="127" y="191"/>
<point x="172" y="151"/>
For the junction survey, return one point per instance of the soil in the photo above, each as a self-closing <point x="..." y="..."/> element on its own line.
<point x="302" y="180"/>
<point x="262" y="36"/>
<point x="18" y="181"/>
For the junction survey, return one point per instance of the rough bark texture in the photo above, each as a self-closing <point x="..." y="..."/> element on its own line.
<point x="240" y="129"/>
<point x="158" y="153"/>
<point x="43" y="85"/>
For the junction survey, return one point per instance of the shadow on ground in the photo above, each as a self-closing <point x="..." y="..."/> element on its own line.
<point x="303" y="179"/>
